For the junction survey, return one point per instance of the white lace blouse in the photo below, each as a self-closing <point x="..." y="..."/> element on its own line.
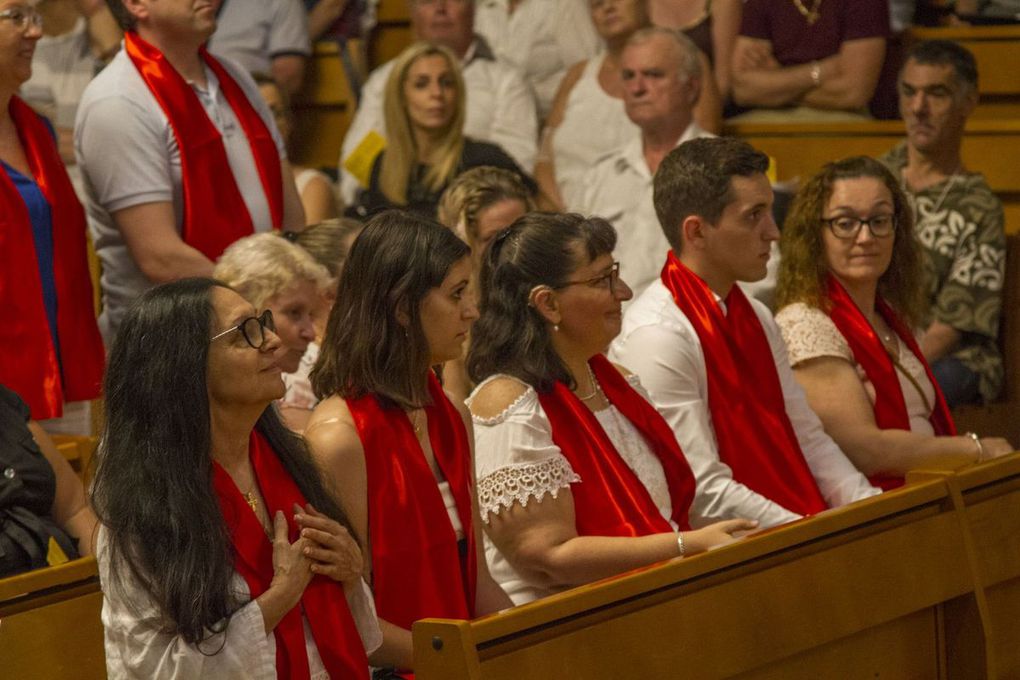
<point x="516" y="461"/>
<point x="810" y="334"/>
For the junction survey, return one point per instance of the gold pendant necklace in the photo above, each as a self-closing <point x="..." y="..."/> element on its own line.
<point x="811" y="15"/>
<point x="252" y="500"/>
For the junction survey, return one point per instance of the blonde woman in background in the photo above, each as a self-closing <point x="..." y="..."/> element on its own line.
<point x="478" y="205"/>
<point x="425" y="143"/>
<point x="272" y="273"/>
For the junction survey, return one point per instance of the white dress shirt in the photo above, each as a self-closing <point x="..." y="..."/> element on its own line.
<point x="659" y="343"/>
<point x="543" y="38"/>
<point x="499" y="109"/>
<point x="619" y="189"/>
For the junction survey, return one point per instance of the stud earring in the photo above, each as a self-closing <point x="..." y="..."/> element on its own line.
<point x="556" y="328"/>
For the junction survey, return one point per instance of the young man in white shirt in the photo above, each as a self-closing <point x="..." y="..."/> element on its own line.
<point x="756" y="448"/>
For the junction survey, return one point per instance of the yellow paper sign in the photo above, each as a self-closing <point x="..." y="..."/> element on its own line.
<point x="54" y="554"/>
<point x="359" y="163"/>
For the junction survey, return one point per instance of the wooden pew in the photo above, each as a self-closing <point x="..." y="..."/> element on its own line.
<point x="323" y="110"/>
<point x="995" y="48"/>
<point x="78" y="450"/>
<point x="882" y="588"/>
<point x="800" y="150"/>
<point x="50" y="626"/>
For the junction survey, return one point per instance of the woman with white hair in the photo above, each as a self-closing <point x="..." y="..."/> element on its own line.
<point x="273" y="273"/>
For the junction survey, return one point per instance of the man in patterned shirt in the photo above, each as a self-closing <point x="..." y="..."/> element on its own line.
<point x="959" y="221"/>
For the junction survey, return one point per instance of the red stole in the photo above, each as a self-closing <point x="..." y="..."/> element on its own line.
<point x="745" y="397"/>
<point x="29" y="364"/>
<point x="890" y="408"/>
<point x="417" y="570"/>
<point x="336" y="637"/>
<point x="214" y="211"/>
<point x="611" y="500"/>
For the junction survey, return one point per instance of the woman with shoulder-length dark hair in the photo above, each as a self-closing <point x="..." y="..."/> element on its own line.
<point x="398" y="449"/>
<point x="579" y="477"/>
<point x="221" y="552"/>
<point x="851" y="296"/>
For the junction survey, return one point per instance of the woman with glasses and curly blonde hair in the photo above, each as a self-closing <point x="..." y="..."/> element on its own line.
<point x="851" y="294"/>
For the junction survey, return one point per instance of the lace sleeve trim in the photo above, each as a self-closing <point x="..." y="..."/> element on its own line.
<point x="810" y="333"/>
<point x="519" y="483"/>
<point x="514" y="406"/>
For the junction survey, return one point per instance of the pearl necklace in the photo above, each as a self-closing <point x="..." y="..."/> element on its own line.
<point x="595" y="387"/>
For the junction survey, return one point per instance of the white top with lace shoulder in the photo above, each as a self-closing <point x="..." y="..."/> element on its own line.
<point x="810" y="334"/>
<point x="516" y="461"/>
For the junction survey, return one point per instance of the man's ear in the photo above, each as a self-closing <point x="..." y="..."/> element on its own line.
<point x="692" y="232"/>
<point x="544" y="300"/>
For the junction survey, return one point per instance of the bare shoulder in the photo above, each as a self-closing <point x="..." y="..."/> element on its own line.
<point x="496" y="396"/>
<point x="331" y="433"/>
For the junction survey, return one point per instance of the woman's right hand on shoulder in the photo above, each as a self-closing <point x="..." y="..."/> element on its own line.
<point x="292" y="570"/>
<point x="715" y="535"/>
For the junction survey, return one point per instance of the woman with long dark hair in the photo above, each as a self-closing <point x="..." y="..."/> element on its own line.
<point x="222" y="553"/>
<point x="398" y="449"/>
<point x="579" y="477"/>
<point x="851" y="293"/>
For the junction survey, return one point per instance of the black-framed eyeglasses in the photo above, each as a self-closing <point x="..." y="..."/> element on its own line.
<point x="253" y="329"/>
<point x="847" y="226"/>
<point x="23" y="17"/>
<point x="606" y="280"/>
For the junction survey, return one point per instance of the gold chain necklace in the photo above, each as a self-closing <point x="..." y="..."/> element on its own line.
<point x="252" y="500"/>
<point x="812" y="14"/>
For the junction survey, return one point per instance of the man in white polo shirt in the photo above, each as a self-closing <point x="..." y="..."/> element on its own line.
<point x="661" y="80"/>
<point x="179" y="154"/>
<point x="714" y="361"/>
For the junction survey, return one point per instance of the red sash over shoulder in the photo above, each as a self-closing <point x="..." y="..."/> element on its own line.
<point x="611" y="500"/>
<point x="890" y="408"/>
<point x="215" y="214"/>
<point x="417" y="569"/>
<point x="755" y="436"/>
<point x="324" y="604"/>
<point x="29" y="364"/>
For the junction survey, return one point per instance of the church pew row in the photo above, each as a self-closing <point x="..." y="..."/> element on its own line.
<point x="995" y="49"/>
<point x="923" y="582"/>
<point x="78" y="450"/>
<point x="49" y="624"/>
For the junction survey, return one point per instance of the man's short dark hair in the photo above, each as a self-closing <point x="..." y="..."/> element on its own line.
<point x="695" y="179"/>
<point x="126" y="19"/>
<point x="947" y="53"/>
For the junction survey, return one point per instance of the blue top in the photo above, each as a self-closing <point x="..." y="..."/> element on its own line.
<point x="42" y="233"/>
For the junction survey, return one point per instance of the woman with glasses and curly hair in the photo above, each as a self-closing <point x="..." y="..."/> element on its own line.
<point x="851" y="294"/>
<point x="579" y="477"/>
<point x="398" y="449"/>
<point x="221" y="552"/>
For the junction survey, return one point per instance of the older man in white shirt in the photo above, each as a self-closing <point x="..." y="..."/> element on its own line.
<point x="756" y="448"/>
<point x="661" y="77"/>
<point x="500" y="107"/>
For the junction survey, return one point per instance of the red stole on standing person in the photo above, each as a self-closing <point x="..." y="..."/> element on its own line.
<point x="324" y="604"/>
<point x="869" y="352"/>
<point x="215" y="214"/>
<point x="611" y="500"/>
<point x="417" y="569"/>
<point x="754" y="434"/>
<point x="29" y="364"/>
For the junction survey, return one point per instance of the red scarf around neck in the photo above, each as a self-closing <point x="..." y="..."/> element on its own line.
<point x="755" y="436"/>
<point x="417" y="570"/>
<point x="215" y="214"/>
<point x="324" y="604"/>
<point x="611" y="500"/>
<point x="870" y="353"/>
<point x="29" y="364"/>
